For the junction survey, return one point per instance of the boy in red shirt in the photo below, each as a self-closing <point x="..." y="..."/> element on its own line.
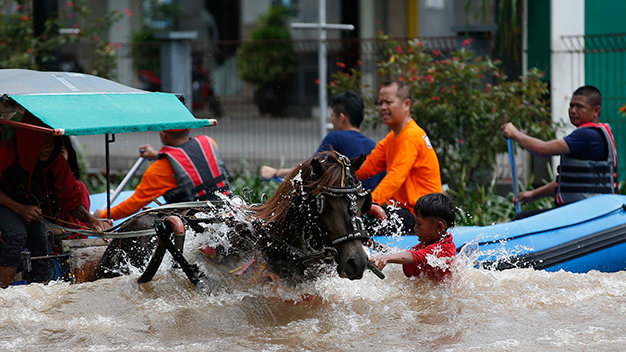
<point x="434" y="214"/>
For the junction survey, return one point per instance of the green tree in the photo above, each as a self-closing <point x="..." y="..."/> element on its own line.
<point x="20" y="48"/>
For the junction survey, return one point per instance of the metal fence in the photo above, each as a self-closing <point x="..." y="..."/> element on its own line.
<point x="243" y="133"/>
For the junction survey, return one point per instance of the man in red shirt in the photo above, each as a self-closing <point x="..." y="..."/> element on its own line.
<point x="434" y="215"/>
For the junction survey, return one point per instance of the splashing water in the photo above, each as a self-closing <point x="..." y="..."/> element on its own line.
<point x="474" y="310"/>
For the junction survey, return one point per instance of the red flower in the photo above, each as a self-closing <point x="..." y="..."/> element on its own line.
<point x="332" y="83"/>
<point x="444" y="89"/>
<point x="467" y="42"/>
<point x="128" y="12"/>
<point x="430" y="78"/>
<point x="436" y="52"/>
<point x="341" y="64"/>
<point x="29" y="50"/>
<point x="347" y="75"/>
<point x="436" y="62"/>
<point x="401" y="79"/>
<point x="399" y="49"/>
<point x="317" y="81"/>
<point x="454" y="58"/>
<point x="70" y="3"/>
<point x="24" y="18"/>
<point x="446" y="62"/>
<point x="410" y="79"/>
<point x="359" y="62"/>
<point x="460" y="141"/>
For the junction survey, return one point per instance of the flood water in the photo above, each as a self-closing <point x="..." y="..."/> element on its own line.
<point x="477" y="310"/>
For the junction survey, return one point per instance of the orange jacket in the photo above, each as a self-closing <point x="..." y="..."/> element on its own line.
<point x="411" y="163"/>
<point x="158" y="179"/>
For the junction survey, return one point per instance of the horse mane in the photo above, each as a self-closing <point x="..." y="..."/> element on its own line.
<point x="302" y="183"/>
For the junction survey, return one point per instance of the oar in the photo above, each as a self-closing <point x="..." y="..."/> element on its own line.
<point x="126" y="179"/>
<point x="513" y="176"/>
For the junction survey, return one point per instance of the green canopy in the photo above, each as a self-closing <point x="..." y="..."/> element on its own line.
<point x="82" y="114"/>
<point x="82" y="104"/>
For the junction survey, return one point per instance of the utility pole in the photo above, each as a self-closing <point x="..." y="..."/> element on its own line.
<point x="322" y="66"/>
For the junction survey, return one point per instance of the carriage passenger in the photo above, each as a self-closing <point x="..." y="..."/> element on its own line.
<point x="434" y="215"/>
<point x="35" y="181"/>
<point x="186" y="169"/>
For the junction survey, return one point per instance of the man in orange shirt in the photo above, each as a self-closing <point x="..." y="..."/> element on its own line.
<point x="405" y="153"/>
<point x="186" y="169"/>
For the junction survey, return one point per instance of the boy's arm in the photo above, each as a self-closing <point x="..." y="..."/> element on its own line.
<point x="405" y="257"/>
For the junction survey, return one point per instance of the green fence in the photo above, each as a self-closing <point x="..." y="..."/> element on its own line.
<point x="605" y="68"/>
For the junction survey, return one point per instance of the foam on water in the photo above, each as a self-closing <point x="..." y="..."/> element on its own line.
<point x="475" y="310"/>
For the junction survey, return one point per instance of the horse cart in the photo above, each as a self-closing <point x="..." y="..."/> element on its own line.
<point x="314" y="219"/>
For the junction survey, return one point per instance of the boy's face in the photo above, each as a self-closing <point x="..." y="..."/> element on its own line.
<point x="429" y="229"/>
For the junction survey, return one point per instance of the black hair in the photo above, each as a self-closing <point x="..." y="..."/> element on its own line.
<point x="178" y="134"/>
<point x="404" y="90"/>
<point x="350" y="104"/>
<point x="436" y="205"/>
<point x="594" y="98"/>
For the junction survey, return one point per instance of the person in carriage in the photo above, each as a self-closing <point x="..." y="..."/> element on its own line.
<point x="36" y="182"/>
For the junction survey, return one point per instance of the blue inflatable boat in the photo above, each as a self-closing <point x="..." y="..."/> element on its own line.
<point x="583" y="236"/>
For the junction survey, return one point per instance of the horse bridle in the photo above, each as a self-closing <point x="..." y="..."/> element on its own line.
<point x="351" y="193"/>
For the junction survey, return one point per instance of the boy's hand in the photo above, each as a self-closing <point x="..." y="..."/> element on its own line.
<point x="380" y="262"/>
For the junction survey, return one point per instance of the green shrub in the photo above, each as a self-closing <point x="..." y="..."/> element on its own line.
<point x="247" y="183"/>
<point x="20" y="48"/>
<point x="269" y="57"/>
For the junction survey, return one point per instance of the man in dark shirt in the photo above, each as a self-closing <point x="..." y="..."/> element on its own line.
<point x="345" y="138"/>
<point x="586" y="150"/>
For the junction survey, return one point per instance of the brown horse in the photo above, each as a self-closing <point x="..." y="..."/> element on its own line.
<point x="314" y="218"/>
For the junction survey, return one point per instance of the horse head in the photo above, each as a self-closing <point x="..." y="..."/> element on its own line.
<point x="318" y="208"/>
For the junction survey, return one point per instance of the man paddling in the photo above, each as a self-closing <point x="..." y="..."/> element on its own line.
<point x="588" y="155"/>
<point x="186" y="169"/>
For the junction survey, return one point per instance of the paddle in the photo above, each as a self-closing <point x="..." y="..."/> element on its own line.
<point x="127" y="178"/>
<point x="513" y="175"/>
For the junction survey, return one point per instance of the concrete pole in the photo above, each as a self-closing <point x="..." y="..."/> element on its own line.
<point x="176" y="63"/>
<point x="322" y="69"/>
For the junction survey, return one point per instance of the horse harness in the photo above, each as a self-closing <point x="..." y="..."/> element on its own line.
<point x="351" y="193"/>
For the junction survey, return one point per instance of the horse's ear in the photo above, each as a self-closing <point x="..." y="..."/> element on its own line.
<point x="357" y="162"/>
<point x="318" y="170"/>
